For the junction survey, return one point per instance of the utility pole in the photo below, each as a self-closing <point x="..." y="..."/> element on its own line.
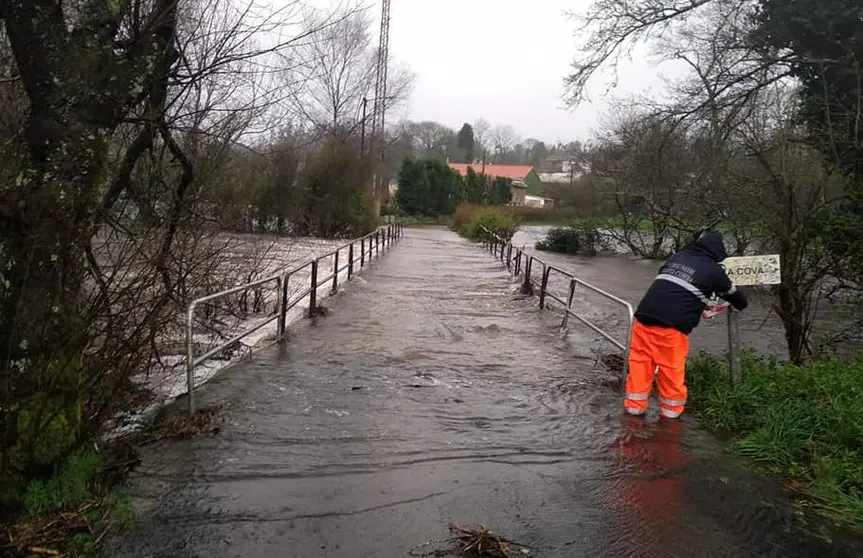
<point x="380" y="105"/>
<point x="363" y="134"/>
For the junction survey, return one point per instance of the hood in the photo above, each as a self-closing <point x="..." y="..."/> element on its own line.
<point x="712" y="244"/>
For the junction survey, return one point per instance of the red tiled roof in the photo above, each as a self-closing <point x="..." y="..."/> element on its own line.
<point x="513" y="172"/>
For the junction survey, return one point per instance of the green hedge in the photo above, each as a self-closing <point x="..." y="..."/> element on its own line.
<point x="470" y="220"/>
<point x="575" y="240"/>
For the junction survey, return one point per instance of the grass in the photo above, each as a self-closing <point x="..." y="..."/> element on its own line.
<point x="801" y="423"/>
<point x="417" y="220"/>
<point x="613" y="222"/>
<point x="70" y="512"/>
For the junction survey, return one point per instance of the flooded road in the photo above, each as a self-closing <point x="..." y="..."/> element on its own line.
<point x="434" y="394"/>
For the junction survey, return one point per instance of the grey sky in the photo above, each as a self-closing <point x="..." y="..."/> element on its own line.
<point x="502" y="60"/>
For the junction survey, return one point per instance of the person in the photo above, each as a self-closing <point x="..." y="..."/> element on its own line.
<point x="669" y="311"/>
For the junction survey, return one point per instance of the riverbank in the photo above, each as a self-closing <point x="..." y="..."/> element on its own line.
<point x="803" y="424"/>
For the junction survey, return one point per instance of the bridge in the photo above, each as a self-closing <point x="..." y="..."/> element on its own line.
<point x="436" y="392"/>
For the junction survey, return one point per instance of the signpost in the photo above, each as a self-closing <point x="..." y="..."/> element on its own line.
<point x="746" y="270"/>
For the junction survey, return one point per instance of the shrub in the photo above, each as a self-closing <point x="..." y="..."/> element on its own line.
<point x="574" y="239"/>
<point x="471" y="220"/>
<point x="799" y="421"/>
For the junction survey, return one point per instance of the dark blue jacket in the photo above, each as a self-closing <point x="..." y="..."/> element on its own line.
<point x="686" y="281"/>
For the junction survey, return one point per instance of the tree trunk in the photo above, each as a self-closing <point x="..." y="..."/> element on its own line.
<point x="791" y="299"/>
<point x="44" y="239"/>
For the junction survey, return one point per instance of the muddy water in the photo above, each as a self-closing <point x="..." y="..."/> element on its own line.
<point x="433" y="394"/>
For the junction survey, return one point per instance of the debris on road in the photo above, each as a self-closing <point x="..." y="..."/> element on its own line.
<point x="478" y="542"/>
<point x="183" y="426"/>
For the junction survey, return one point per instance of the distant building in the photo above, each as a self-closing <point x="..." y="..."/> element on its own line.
<point x="559" y="163"/>
<point x="537" y="201"/>
<point x="525" y="174"/>
<point x="560" y="169"/>
<point x="519" y="193"/>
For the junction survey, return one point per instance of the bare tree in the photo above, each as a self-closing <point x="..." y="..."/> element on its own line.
<point x="792" y="182"/>
<point x="125" y="106"/>
<point x="503" y="138"/>
<point x="336" y="69"/>
<point x="611" y="28"/>
<point x="481" y="130"/>
<point x="334" y="72"/>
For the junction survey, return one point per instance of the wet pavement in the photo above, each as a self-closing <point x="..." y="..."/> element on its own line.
<point x="434" y="394"/>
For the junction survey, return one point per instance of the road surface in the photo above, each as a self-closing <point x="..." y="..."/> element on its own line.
<point x="434" y="394"/>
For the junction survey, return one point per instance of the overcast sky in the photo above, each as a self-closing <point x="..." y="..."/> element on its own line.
<point x="502" y="60"/>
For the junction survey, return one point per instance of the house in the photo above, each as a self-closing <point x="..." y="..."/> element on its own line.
<point x="525" y="174"/>
<point x="558" y="163"/>
<point x="537" y="201"/>
<point x="561" y="169"/>
<point x="518" y="193"/>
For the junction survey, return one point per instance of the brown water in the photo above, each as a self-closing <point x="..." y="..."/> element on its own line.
<point x="434" y="393"/>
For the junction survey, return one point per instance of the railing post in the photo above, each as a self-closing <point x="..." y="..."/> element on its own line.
<point x="569" y="300"/>
<point x="313" y="293"/>
<point x="546" y="271"/>
<point x="362" y="252"/>
<point x="734" y="364"/>
<point x="526" y="287"/>
<point x="283" y="310"/>
<point x="336" y="272"/>
<point x="378" y="242"/>
<point x="190" y="358"/>
<point x="509" y="256"/>
<point x="628" y="340"/>
<point x="350" y="260"/>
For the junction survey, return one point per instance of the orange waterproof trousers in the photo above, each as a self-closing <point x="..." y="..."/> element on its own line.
<point x="659" y="351"/>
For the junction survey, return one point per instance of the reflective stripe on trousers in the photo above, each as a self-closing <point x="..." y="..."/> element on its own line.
<point x="657" y="353"/>
<point x="668" y="413"/>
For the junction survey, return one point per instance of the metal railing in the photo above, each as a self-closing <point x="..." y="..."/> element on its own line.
<point x="368" y="246"/>
<point x="519" y="262"/>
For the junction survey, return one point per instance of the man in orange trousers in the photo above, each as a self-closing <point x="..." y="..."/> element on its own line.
<point x="665" y="317"/>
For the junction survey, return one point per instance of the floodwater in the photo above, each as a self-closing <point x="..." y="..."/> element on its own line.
<point x="434" y="394"/>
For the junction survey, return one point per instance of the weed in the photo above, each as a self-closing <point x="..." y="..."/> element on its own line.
<point x="68" y="487"/>
<point x="801" y="422"/>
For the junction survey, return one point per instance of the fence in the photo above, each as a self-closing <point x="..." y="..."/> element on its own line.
<point x="369" y="246"/>
<point x="519" y="262"/>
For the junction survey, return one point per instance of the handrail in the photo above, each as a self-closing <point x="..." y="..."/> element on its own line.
<point x="370" y="246"/>
<point x="513" y="258"/>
